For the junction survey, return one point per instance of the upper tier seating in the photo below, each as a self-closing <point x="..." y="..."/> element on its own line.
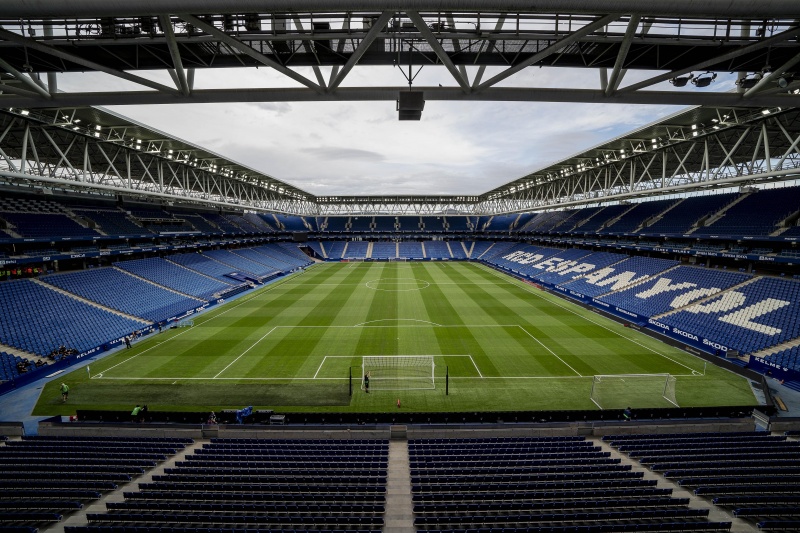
<point x="361" y="223"/>
<point x="750" y="318"/>
<point x="604" y="217"/>
<point x="243" y="223"/>
<point x="501" y="223"/>
<point x="261" y="485"/>
<point x="261" y="223"/>
<point x="674" y="289"/>
<point x="581" y="218"/>
<point x="224" y="225"/>
<point x="683" y="216"/>
<point x="433" y="224"/>
<point x="757" y="214"/>
<point x="438" y="249"/>
<point x="175" y="277"/>
<point x="339" y="224"/>
<point x="547" y="484"/>
<point x="124" y="292"/>
<point x="291" y="222"/>
<point x="201" y="224"/>
<point x="385" y="224"/>
<point x="43" y="225"/>
<point x="112" y="221"/>
<point x="457" y="223"/>
<point x="384" y="250"/>
<point x="408" y="224"/>
<point x="619" y="276"/>
<point x="42" y="327"/>
<point x="637" y="216"/>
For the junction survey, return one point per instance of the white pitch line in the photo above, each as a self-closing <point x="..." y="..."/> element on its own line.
<point x="593" y="322"/>
<point x="319" y="367"/>
<point x="244" y="352"/>
<point x="549" y="350"/>
<point x="476" y="366"/>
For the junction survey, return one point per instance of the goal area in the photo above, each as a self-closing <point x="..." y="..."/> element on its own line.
<point x="618" y="391"/>
<point x="398" y="372"/>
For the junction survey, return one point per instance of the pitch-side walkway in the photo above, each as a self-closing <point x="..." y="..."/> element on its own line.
<point x="716" y="514"/>
<point x="399" y="515"/>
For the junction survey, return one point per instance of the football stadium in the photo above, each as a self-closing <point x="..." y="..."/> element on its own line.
<point x="609" y="343"/>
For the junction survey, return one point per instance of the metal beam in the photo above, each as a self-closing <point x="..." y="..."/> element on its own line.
<point x="495" y="94"/>
<point x="258" y="56"/>
<point x="24" y="80"/>
<point x="45" y="49"/>
<point x="436" y="46"/>
<point x="624" y="47"/>
<point x="771" y="76"/>
<point x="783" y="36"/>
<point x="112" y="8"/>
<point x="166" y="25"/>
<point x="550" y="50"/>
<point x="365" y="43"/>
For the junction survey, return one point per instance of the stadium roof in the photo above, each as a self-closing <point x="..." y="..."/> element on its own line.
<point x="732" y="138"/>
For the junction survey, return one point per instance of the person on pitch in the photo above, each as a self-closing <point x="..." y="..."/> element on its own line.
<point x="366" y="382"/>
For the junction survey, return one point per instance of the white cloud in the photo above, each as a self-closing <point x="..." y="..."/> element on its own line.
<point x="357" y="148"/>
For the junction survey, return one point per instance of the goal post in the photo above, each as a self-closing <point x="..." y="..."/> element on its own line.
<point x="398" y="372"/>
<point x="618" y="391"/>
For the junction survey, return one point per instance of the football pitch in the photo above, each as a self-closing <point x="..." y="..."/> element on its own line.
<point x="292" y="346"/>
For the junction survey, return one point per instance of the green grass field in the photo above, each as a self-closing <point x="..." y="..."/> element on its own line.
<point x="291" y="345"/>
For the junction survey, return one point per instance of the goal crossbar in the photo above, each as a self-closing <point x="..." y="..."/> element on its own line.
<point x="398" y="372"/>
<point x="618" y="391"/>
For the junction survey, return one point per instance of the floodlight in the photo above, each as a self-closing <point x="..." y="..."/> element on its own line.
<point x="704" y="80"/>
<point x="681" y="81"/>
<point x="410" y="105"/>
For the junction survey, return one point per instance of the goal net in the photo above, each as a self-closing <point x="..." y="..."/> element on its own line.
<point x="618" y="391"/>
<point x="398" y="372"/>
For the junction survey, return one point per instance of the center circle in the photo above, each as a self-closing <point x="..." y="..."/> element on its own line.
<point x="398" y="284"/>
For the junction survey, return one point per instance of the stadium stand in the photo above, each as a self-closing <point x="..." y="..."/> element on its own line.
<point x="291" y="222"/>
<point x="408" y="224"/>
<point x="789" y="358"/>
<point x="602" y="219"/>
<point x="547" y="484"/>
<point x="613" y="278"/>
<point x="433" y="224"/>
<point x="241" y="260"/>
<point x="204" y="265"/>
<point x="317" y="247"/>
<point x="111" y="221"/>
<point x="362" y="224"/>
<point x="690" y="211"/>
<point x="458" y="224"/>
<point x="224" y="225"/>
<point x="276" y="485"/>
<point x="437" y="250"/>
<point x="41" y="225"/>
<point x="41" y="328"/>
<point x="335" y="249"/>
<point x="201" y="224"/>
<point x="636" y="217"/>
<point x="754" y="475"/>
<point x="244" y="223"/>
<point x="117" y="289"/>
<point x="457" y="249"/>
<point x="175" y="277"/>
<point x="259" y="222"/>
<point x="752" y="317"/>
<point x="43" y="479"/>
<point x="356" y="250"/>
<point x="758" y="213"/>
<point x="384" y="250"/>
<point x="385" y="224"/>
<point x="410" y="250"/>
<point x="336" y="224"/>
<point x="674" y="289"/>
<point x="501" y="223"/>
<point x="479" y="248"/>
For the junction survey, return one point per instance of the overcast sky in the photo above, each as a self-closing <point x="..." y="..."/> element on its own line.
<point x="360" y="148"/>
